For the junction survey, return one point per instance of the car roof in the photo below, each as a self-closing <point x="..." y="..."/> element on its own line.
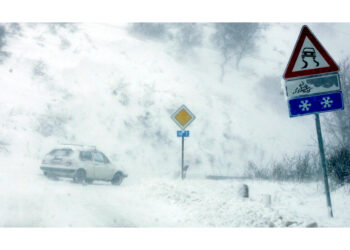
<point x="77" y="147"/>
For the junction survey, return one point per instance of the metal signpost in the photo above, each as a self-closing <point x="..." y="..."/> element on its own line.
<point x="312" y="87"/>
<point x="183" y="117"/>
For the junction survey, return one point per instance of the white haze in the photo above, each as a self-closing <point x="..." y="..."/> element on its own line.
<point x="101" y="86"/>
<point x="97" y="84"/>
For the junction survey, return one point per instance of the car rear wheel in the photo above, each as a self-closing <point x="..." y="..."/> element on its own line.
<point x="117" y="179"/>
<point x="80" y="176"/>
<point x="51" y="176"/>
<point x="89" y="181"/>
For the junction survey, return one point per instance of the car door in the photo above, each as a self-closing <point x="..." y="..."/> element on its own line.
<point x="110" y="169"/>
<point x="87" y="163"/>
<point x="100" y="167"/>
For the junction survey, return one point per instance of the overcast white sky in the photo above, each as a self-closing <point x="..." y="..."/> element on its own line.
<point x="170" y="11"/>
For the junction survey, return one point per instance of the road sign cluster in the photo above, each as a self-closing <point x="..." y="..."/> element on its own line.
<point x="312" y="87"/>
<point x="312" y="80"/>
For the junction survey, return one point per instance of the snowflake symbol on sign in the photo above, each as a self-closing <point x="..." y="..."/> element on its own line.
<point x="326" y="102"/>
<point x="305" y="105"/>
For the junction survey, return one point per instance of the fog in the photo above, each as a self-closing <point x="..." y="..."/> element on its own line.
<point x="115" y="86"/>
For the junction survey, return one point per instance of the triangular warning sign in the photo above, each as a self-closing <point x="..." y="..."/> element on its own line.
<point x="309" y="57"/>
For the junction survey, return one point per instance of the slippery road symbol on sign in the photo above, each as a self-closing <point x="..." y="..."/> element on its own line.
<point x="309" y="57"/>
<point x="309" y="52"/>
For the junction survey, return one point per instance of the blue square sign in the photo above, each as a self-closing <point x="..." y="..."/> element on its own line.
<point x="315" y="104"/>
<point x="181" y="133"/>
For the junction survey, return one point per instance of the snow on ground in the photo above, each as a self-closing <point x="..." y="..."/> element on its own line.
<point x="216" y="203"/>
<point x="29" y="199"/>
<point x="98" y="85"/>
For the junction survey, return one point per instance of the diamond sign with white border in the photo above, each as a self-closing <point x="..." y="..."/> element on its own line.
<point x="183" y="117"/>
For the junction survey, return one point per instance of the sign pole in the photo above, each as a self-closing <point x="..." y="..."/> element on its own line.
<point x="323" y="163"/>
<point x="182" y="158"/>
<point x="183" y="117"/>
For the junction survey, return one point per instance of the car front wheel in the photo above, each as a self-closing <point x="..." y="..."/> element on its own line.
<point x="51" y="176"/>
<point x="117" y="179"/>
<point x="80" y="176"/>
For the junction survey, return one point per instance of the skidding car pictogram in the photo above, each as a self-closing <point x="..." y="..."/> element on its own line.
<point x="309" y="52"/>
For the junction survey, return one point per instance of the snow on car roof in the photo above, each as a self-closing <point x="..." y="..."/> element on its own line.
<point x="78" y="146"/>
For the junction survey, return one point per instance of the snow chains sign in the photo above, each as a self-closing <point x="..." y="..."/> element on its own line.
<point x="313" y="85"/>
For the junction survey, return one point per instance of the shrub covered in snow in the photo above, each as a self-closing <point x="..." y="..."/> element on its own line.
<point x="338" y="165"/>
<point x="300" y="167"/>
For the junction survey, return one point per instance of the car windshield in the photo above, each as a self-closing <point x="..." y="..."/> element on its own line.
<point x="62" y="152"/>
<point x="310" y="50"/>
<point x="85" y="156"/>
<point x="106" y="159"/>
<point x="98" y="157"/>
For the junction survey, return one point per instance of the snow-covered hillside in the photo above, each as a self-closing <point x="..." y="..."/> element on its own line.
<point x="96" y="84"/>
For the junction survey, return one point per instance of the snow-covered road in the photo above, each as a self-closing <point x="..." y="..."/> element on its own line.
<point x="35" y="201"/>
<point x="29" y="199"/>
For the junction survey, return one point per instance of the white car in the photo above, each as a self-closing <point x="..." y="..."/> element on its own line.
<point x="82" y="163"/>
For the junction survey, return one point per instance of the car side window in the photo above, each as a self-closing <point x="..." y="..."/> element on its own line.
<point x="98" y="157"/>
<point x="85" y="156"/>
<point x="106" y="160"/>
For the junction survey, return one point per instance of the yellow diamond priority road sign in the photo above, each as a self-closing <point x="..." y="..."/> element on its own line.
<point x="183" y="117"/>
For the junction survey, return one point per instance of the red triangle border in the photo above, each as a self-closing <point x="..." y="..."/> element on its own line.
<point x="306" y="32"/>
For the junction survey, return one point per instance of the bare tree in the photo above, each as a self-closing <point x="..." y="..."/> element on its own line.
<point x="2" y="36"/>
<point x="189" y="35"/>
<point x="155" y="31"/>
<point x="235" y="40"/>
